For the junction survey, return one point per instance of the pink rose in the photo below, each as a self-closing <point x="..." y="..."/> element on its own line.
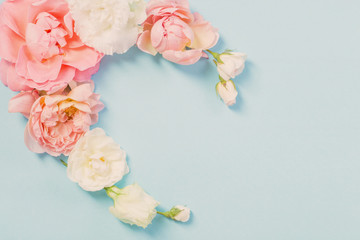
<point x="57" y="122"/>
<point x="172" y="30"/>
<point x="39" y="48"/>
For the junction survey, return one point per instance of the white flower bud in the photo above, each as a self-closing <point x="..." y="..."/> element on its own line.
<point x="227" y="92"/>
<point x="183" y="215"/>
<point x="233" y="64"/>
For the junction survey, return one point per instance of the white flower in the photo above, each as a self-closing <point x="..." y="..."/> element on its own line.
<point x="183" y="215"/>
<point x="233" y="64"/>
<point x="109" y="26"/>
<point x="132" y="205"/>
<point x="227" y="92"/>
<point x="96" y="161"/>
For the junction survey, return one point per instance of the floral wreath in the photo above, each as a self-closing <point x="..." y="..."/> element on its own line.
<point x="51" y="48"/>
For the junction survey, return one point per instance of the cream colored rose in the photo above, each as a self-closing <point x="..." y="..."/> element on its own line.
<point x="233" y="64"/>
<point x="132" y="205"/>
<point x="227" y="92"/>
<point x="96" y="161"/>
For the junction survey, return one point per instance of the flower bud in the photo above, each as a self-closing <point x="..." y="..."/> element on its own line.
<point x="227" y="91"/>
<point x="183" y="214"/>
<point x="231" y="65"/>
<point x="178" y="213"/>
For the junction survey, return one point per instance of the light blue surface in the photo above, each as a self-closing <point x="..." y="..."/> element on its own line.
<point x="283" y="164"/>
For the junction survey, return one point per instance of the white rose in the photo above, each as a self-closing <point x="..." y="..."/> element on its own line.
<point x="227" y="92"/>
<point x="109" y="26"/>
<point x="132" y="205"/>
<point x="96" y="161"/>
<point x="233" y="64"/>
<point x="182" y="216"/>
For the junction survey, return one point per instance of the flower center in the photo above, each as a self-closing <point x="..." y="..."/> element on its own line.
<point x="46" y="37"/>
<point x="98" y="163"/>
<point x="70" y="111"/>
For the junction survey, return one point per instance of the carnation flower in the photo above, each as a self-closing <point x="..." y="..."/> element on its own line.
<point x="132" y="205"/>
<point x="96" y="161"/>
<point x="110" y="26"/>
<point x="57" y="122"/>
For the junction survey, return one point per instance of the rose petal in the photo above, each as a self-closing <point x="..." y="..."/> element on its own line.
<point x="81" y="93"/>
<point x="14" y="15"/>
<point x="85" y="76"/>
<point x="31" y="143"/>
<point x="82" y="58"/>
<point x="206" y="36"/>
<point x="187" y="57"/>
<point x="22" y="103"/>
<point x="40" y="72"/>
<point x="10" y="44"/>
<point x="144" y="43"/>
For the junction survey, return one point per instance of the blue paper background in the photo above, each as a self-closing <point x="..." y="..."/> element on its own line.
<point x="284" y="163"/>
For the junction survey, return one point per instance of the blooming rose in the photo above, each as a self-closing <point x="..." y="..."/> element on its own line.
<point x="227" y="92"/>
<point x="96" y="161"/>
<point x="110" y="26"/>
<point x="132" y="205"/>
<point x="57" y="122"/>
<point x="233" y="64"/>
<point x="39" y="49"/>
<point x="183" y="215"/>
<point x="172" y="30"/>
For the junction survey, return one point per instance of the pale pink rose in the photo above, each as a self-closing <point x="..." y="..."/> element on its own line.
<point x="173" y="31"/>
<point x="57" y="122"/>
<point x="227" y="92"/>
<point x="39" y="48"/>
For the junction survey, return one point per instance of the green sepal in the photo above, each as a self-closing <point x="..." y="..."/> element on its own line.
<point x="216" y="56"/>
<point x="113" y="192"/>
<point x="171" y="214"/>
<point x="174" y="212"/>
<point x="223" y="81"/>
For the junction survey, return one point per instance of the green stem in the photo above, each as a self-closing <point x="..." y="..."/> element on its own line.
<point x="216" y="57"/>
<point x="64" y="163"/>
<point x="111" y="193"/>
<point x="165" y="214"/>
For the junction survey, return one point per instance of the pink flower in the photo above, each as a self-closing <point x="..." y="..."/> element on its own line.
<point x="172" y="30"/>
<point x="57" y="122"/>
<point x="39" y="49"/>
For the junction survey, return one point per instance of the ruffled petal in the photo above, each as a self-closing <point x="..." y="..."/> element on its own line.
<point x="10" y="78"/>
<point x="82" y="58"/>
<point x="40" y="72"/>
